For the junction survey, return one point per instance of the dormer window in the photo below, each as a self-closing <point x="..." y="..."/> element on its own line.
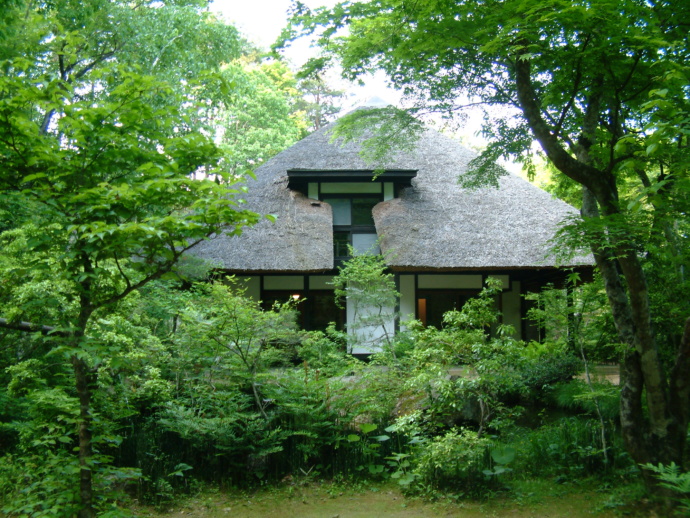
<point x="352" y="194"/>
<point x="353" y="223"/>
<point x="307" y="180"/>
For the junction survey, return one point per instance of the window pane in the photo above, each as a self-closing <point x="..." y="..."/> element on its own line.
<point x="341" y="240"/>
<point x="432" y="304"/>
<point x="365" y="243"/>
<point x="350" y="187"/>
<point x="437" y="306"/>
<point x="361" y="211"/>
<point x="323" y="311"/>
<point x="341" y="210"/>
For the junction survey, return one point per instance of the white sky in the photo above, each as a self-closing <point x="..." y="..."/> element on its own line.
<point x="261" y="21"/>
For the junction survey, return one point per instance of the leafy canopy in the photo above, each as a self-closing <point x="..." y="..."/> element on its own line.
<point x="113" y="183"/>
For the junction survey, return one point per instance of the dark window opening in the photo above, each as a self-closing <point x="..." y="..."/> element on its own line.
<point x="361" y="211"/>
<point x="362" y="240"/>
<point x="270" y="297"/>
<point x="315" y="310"/>
<point x="341" y="240"/>
<point x="323" y="310"/>
<point x="432" y="304"/>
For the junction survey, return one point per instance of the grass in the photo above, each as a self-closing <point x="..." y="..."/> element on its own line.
<point x="528" y="498"/>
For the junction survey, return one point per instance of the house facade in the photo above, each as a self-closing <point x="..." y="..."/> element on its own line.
<point x="440" y="241"/>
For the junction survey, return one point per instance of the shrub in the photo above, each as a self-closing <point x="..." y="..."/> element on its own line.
<point x="548" y="369"/>
<point x="577" y="395"/>
<point x="455" y="462"/>
<point x="673" y="478"/>
<point x="43" y="485"/>
<point x="325" y="352"/>
<point x="570" y="445"/>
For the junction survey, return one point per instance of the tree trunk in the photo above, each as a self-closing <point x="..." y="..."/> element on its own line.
<point x="657" y="434"/>
<point x="84" y="382"/>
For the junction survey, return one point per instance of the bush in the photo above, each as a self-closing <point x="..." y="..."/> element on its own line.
<point x="43" y="485"/>
<point x="217" y="430"/>
<point x="325" y="352"/>
<point x="548" y="369"/>
<point x="577" y="395"/>
<point x="570" y="446"/>
<point x="455" y="462"/>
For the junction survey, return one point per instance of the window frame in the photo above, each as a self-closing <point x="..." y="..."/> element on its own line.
<point x="462" y="295"/>
<point x="306" y="300"/>
<point x="351" y="229"/>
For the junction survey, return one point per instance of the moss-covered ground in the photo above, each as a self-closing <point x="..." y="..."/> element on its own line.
<point x="531" y="498"/>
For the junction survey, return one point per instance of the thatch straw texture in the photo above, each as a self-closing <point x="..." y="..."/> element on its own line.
<point x="301" y="239"/>
<point x="434" y="225"/>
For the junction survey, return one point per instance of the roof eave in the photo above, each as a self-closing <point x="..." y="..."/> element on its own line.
<point x="298" y="178"/>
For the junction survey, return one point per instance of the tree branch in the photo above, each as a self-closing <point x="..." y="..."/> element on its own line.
<point x="583" y="174"/>
<point x="29" y="327"/>
<point x="164" y="268"/>
<point x="119" y="269"/>
<point x="87" y="68"/>
<point x="165" y="47"/>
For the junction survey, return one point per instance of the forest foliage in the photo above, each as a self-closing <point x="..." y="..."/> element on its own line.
<point x="123" y="375"/>
<point x="203" y="386"/>
<point x="111" y="171"/>
<point x="602" y="88"/>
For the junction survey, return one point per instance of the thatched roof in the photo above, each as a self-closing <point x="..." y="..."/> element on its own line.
<point x="433" y="225"/>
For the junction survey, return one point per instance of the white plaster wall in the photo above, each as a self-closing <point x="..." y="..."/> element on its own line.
<point x="408" y="299"/>
<point x="283" y="282"/>
<point x="320" y="282"/>
<point x="368" y="339"/>
<point x="351" y="187"/>
<point x="388" y="191"/>
<point x="449" y="281"/>
<point x="505" y="280"/>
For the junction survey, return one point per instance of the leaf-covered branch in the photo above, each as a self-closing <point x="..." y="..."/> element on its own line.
<point x="29" y="327"/>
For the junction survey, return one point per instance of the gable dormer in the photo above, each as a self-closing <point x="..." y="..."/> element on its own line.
<point x="352" y="194"/>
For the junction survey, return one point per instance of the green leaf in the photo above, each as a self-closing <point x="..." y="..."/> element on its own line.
<point x="35" y="176"/>
<point x="407" y="479"/>
<point x="376" y="469"/>
<point x="367" y="427"/>
<point x="503" y="455"/>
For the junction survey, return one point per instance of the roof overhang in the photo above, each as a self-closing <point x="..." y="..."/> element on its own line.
<point x="299" y="178"/>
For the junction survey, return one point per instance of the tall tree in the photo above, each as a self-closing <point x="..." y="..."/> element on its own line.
<point x="261" y="118"/>
<point x="174" y="40"/>
<point x="320" y="101"/>
<point x="100" y="163"/>
<point x="603" y="87"/>
<point x="112" y="183"/>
